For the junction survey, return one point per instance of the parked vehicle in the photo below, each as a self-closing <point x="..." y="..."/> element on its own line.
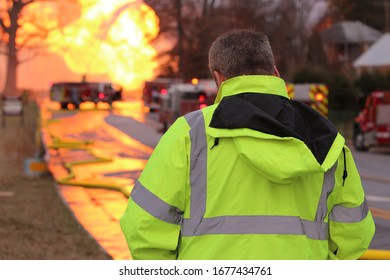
<point x="182" y="98"/>
<point x="153" y="90"/>
<point x="372" y="125"/>
<point x="312" y="94"/>
<point x="77" y="92"/>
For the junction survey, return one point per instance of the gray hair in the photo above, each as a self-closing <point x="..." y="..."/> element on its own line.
<point x="241" y="52"/>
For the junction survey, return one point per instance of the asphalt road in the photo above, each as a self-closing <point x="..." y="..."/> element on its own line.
<point x="374" y="168"/>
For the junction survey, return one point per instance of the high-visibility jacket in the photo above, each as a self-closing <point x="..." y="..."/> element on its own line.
<point x="254" y="176"/>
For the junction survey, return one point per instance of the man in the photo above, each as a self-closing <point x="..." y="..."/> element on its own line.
<point x="254" y="176"/>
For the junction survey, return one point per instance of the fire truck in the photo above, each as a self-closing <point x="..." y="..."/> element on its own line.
<point x="153" y="90"/>
<point x="372" y="125"/>
<point x="77" y="92"/>
<point x="184" y="97"/>
<point x="314" y="95"/>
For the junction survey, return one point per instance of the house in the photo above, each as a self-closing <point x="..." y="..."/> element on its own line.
<point x="346" y="40"/>
<point x="377" y="57"/>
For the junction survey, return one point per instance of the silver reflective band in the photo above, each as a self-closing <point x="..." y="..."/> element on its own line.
<point x="199" y="225"/>
<point x="256" y="225"/>
<point x="327" y="188"/>
<point x="155" y="206"/>
<point x="198" y="162"/>
<point x="349" y="215"/>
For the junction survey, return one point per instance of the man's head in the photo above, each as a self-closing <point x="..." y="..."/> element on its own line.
<point x="241" y="52"/>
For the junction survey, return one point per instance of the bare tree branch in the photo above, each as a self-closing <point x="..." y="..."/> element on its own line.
<point x="32" y="57"/>
<point x="3" y="26"/>
<point x="31" y="40"/>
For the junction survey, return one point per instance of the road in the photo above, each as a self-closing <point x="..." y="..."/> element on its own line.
<point x="127" y="135"/>
<point x="374" y="167"/>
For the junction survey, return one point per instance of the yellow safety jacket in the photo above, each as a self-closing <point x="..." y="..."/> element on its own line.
<point x="254" y="176"/>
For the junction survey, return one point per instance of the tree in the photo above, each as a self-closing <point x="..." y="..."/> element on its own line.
<point x="194" y="24"/>
<point x="23" y="25"/>
<point x="10" y="30"/>
<point x="183" y="22"/>
<point x="371" y="12"/>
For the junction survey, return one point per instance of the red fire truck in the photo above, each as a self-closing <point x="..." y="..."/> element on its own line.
<point x="77" y="92"/>
<point x="182" y="98"/>
<point x="153" y="90"/>
<point x="372" y="125"/>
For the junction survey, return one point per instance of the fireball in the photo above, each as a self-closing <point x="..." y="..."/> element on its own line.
<point x="110" y="37"/>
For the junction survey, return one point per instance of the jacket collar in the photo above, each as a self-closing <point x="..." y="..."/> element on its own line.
<point x="265" y="84"/>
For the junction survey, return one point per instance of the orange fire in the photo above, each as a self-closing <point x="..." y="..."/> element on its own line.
<point x="110" y="37"/>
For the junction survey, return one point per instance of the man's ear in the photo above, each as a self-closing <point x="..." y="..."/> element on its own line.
<point x="276" y="72"/>
<point x="219" y="78"/>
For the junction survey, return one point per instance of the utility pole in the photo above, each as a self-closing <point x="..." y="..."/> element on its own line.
<point x="386" y="5"/>
<point x="180" y="35"/>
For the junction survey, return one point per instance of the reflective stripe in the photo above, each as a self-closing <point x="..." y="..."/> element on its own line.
<point x="155" y="206"/>
<point x="327" y="188"/>
<point x="343" y="214"/>
<point x="257" y="225"/>
<point x="198" y="168"/>
<point x="197" y="225"/>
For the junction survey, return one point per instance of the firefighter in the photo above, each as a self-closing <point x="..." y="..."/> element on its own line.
<point x="254" y="176"/>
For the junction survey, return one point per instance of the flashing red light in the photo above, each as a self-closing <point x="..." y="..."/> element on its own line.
<point x="101" y="95"/>
<point x="202" y="100"/>
<point x="164" y="91"/>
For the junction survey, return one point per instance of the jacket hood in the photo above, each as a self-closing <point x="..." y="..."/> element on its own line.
<point x="280" y="138"/>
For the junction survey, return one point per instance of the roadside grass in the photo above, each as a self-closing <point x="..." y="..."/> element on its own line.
<point x="35" y="224"/>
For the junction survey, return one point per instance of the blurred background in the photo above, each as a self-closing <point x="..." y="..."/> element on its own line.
<point x="132" y="41"/>
<point x="139" y="46"/>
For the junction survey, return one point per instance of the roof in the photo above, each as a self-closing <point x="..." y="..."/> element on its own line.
<point x="377" y="55"/>
<point x="350" y="32"/>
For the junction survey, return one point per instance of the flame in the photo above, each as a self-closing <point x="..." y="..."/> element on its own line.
<point x="36" y="20"/>
<point x="33" y="27"/>
<point x="110" y="37"/>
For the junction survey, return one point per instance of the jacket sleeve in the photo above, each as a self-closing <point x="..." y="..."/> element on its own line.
<point x="351" y="226"/>
<point x="151" y="222"/>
